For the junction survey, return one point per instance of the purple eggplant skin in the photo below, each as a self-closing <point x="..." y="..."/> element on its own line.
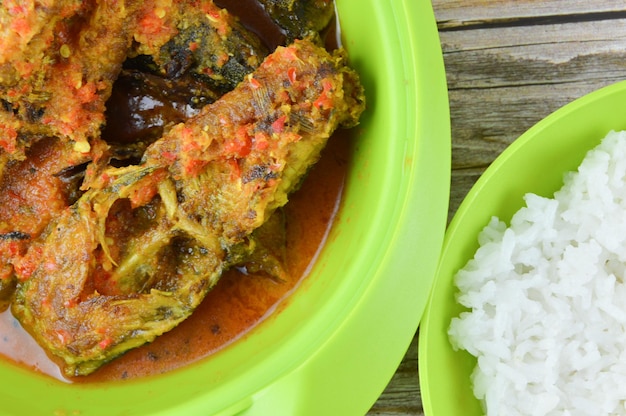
<point x="300" y="18"/>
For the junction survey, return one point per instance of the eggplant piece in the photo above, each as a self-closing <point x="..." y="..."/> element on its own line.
<point x="143" y="105"/>
<point x="300" y="18"/>
<point x="108" y="279"/>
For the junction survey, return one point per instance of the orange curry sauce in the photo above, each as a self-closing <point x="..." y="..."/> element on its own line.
<point x="238" y="302"/>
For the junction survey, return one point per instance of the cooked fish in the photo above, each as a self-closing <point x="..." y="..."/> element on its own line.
<point x="196" y="37"/>
<point x="60" y="58"/>
<point x="58" y="61"/>
<point x="56" y="73"/>
<point x="186" y="55"/>
<point x="34" y="190"/>
<point x="137" y="253"/>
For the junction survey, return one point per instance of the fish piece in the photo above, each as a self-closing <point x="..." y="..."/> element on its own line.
<point x="34" y="190"/>
<point x="300" y="18"/>
<point x="57" y="70"/>
<point x="47" y="32"/>
<point x="195" y="200"/>
<point x="178" y="37"/>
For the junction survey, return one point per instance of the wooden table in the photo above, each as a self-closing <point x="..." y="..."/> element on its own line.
<point x="510" y="63"/>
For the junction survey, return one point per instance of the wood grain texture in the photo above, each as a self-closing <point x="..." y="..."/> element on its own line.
<point x="503" y="80"/>
<point x="470" y="13"/>
<point x="509" y="64"/>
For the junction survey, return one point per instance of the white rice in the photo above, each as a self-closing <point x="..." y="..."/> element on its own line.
<point x="547" y="298"/>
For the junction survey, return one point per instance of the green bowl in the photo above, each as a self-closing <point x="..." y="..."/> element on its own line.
<point x="335" y="345"/>
<point x="535" y="162"/>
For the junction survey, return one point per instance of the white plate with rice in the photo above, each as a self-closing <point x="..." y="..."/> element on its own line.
<point x="528" y="312"/>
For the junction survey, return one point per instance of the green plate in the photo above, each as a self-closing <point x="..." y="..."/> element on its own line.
<point x="335" y="345"/>
<point x="536" y="162"/>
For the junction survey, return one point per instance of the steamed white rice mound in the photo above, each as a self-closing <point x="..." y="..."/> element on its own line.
<point x="547" y="298"/>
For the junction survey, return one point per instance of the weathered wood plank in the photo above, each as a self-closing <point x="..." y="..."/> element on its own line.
<point x="502" y="81"/>
<point x="453" y="14"/>
<point x="485" y="122"/>
<point x="554" y="44"/>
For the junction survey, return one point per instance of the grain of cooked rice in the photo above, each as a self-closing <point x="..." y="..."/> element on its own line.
<point x="546" y="298"/>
